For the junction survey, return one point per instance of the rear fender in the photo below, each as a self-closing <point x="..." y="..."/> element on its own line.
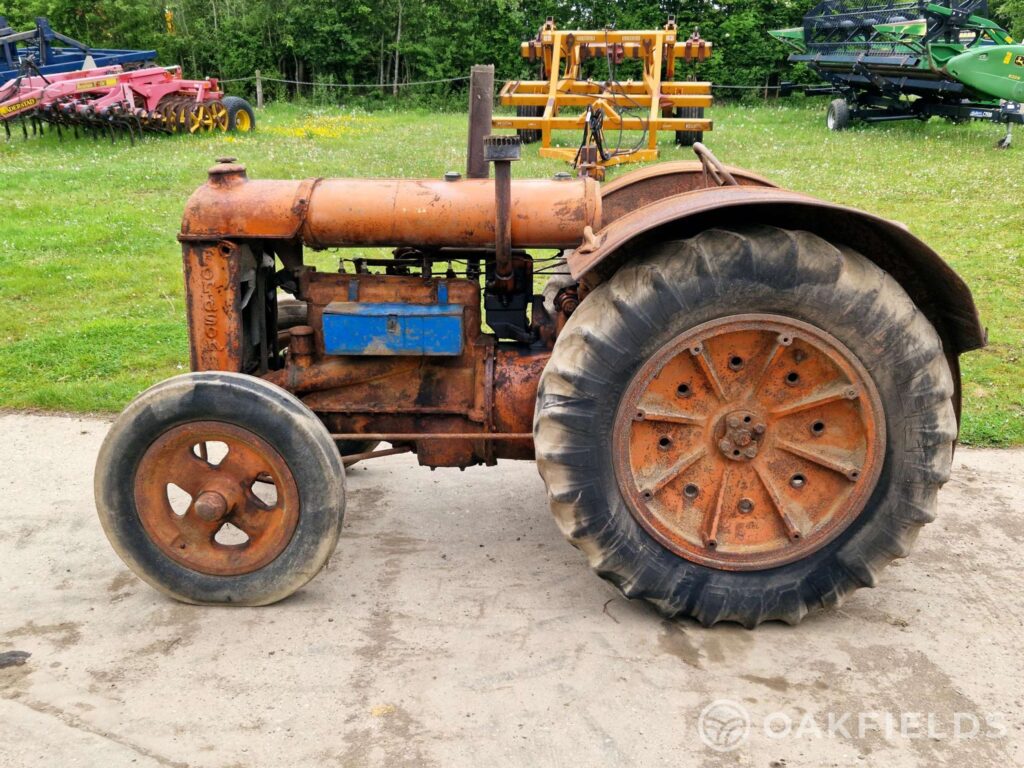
<point x="931" y="283"/>
<point x="659" y="181"/>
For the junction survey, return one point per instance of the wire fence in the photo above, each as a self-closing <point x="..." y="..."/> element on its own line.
<point x="329" y="84"/>
<point x="259" y="79"/>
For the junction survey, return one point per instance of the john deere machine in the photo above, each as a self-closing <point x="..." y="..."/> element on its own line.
<point x="911" y="60"/>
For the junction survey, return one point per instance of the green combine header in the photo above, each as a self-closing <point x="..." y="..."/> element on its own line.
<point x="911" y="60"/>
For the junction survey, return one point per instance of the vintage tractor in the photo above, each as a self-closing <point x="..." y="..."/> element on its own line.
<point x="742" y="400"/>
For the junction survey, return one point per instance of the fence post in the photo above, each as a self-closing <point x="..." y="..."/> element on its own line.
<point x="259" y="90"/>
<point x="481" y="102"/>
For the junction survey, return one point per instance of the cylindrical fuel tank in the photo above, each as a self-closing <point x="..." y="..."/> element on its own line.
<point x="389" y="212"/>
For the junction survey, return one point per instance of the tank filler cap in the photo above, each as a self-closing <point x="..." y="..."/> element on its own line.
<point x="562" y="176"/>
<point x="499" y="148"/>
<point x="452" y="176"/>
<point x="227" y="172"/>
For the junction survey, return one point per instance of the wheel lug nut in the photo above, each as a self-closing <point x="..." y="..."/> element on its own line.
<point x="751" y="451"/>
<point x="210" y="506"/>
<point x="734" y="422"/>
<point x="760" y="429"/>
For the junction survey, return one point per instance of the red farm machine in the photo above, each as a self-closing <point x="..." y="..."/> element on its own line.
<point x="742" y="400"/>
<point x="111" y="100"/>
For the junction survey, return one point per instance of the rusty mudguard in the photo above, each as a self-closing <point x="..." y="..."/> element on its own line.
<point x="635" y="210"/>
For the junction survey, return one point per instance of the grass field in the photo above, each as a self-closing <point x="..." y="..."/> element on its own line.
<point x="90" y="272"/>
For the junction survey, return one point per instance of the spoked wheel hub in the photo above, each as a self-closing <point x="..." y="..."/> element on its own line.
<point x="216" y="498"/>
<point x="749" y="442"/>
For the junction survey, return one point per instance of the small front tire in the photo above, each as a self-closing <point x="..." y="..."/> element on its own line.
<point x="198" y="462"/>
<point x="838" y="117"/>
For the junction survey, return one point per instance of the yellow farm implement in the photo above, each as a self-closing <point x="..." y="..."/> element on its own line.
<point x="565" y="100"/>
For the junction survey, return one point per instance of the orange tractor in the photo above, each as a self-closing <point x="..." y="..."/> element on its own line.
<point x="742" y="400"/>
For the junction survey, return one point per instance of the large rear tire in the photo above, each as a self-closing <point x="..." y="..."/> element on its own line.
<point x="745" y="425"/>
<point x="220" y="488"/>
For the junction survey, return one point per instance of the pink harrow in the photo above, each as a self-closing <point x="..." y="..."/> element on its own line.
<point x="111" y="100"/>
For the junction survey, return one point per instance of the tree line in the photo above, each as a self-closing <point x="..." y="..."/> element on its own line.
<point x="385" y="43"/>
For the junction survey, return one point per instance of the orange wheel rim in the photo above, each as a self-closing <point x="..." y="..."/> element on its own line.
<point x="749" y="442"/>
<point x="223" y="515"/>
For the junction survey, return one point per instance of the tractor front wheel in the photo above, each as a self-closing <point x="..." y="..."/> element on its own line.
<point x="745" y="425"/>
<point x="220" y="488"/>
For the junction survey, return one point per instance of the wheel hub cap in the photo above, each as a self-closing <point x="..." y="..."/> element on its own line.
<point x="749" y="442"/>
<point x="216" y="498"/>
<point x="742" y="433"/>
<point x="211" y="506"/>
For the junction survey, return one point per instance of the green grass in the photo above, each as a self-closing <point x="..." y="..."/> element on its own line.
<point x="90" y="272"/>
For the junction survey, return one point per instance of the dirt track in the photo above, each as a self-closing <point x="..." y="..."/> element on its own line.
<point x="454" y="626"/>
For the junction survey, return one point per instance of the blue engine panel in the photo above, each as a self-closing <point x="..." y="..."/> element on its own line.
<point x="366" y="328"/>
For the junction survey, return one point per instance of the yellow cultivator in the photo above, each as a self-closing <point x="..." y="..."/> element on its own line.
<point x="566" y="100"/>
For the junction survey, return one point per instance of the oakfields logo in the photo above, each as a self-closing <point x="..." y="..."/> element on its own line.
<point x="726" y="725"/>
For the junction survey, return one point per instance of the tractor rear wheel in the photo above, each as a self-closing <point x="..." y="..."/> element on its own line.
<point x="689" y="138"/>
<point x="745" y="425"/>
<point x="220" y="488"/>
<point x="838" y="116"/>
<point x="241" y="118"/>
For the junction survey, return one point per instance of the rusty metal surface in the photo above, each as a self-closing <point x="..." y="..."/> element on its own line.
<point x="212" y="305"/>
<point x="458" y="411"/>
<point x="221" y="491"/>
<point x="713" y="167"/>
<point x="503" y="223"/>
<point x="656" y="182"/>
<point x="933" y="285"/>
<point x="388" y="212"/>
<point x="749" y="442"/>
<point x="349" y="459"/>
<point x="407" y="437"/>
